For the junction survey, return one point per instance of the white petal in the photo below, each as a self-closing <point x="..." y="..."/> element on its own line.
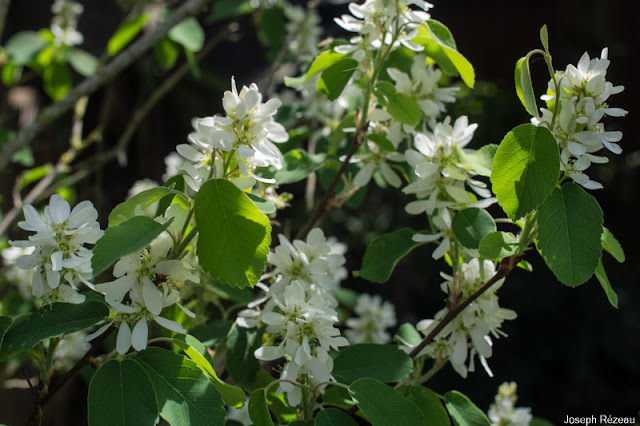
<point x="170" y="325"/>
<point x="33" y="220"/>
<point x="152" y="297"/>
<point x="269" y="353"/>
<point x="140" y="335"/>
<point x="58" y="208"/>
<point x="364" y="175"/>
<point x="123" y="341"/>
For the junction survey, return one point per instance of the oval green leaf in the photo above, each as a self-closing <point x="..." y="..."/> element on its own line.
<point x="386" y="363"/>
<point x="128" y="237"/>
<point x="57" y="80"/>
<point x="83" y="62"/>
<point x="525" y="169"/>
<point x="463" y="411"/>
<point x="54" y="320"/>
<point x="612" y="246"/>
<point x="258" y="409"/>
<point x="498" y="245"/>
<point x="125" y="33"/>
<point x="128" y="209"/>
<point x="471" y="225"/>
<point x="234" y="236"/>
<point x="22" y="47"/>
<point x="184" y="394"/>
<point x="524" y="87"/>
<point x="189" y="34"/>
<point x="242" y="364"/>
<point x="429" y="404"/>
<point x="121" y="393"/>
<point x="334" y="79"/>
<point x="383" y="405"/>
<point x="601" y="275"/>
<point x="569" y="232"/>
<point x="384" y="252"/>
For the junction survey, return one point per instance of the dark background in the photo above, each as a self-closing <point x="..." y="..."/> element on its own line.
<point x="570" y="352"/>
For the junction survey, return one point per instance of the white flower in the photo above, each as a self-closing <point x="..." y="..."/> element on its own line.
<point x="374" y="317"/>
<point x="310" y="261"/>
<point x="468" y="334"/>
<point x="423" y="86"/>
<point x="582" y="103"/>
<point x="441" y="179"/>
<point x="65" y="21"/>
<point x="377" y="159"/>
<point x="60" y="256"/>
<point x="304" y="46"/>
<point x="248" y="130"/>
<point x="504" y="412"/>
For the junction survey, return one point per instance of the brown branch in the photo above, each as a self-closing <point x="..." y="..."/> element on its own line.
<point x="102" y="76"/>
<point x="506" y="266"/>
<point x="36" y="415"/>
<point x="326" y="204"/>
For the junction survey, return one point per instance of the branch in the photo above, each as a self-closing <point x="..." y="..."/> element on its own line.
<point x="36" y="416"/>
<point x="506" y="266"/>
<point x="102" y="76"/>
<point x="327" y="201"/>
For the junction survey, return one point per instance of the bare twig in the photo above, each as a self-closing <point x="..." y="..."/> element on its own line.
<point x="102" y="76"/>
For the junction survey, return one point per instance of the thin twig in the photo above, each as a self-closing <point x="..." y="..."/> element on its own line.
<point x="506" y="266"/>
<point x="36" y="415"/>
<point x="102" y="76"/>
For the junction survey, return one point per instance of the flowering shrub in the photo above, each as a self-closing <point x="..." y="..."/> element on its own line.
<point x="201" y="242"/>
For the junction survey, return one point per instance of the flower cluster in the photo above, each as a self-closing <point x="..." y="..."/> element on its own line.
<point x="504" y="412"/>
<point x="65" y="21"/>
<point x="60" y="256"/>
<point x="235" y="145"/>
<point x="581" y="104"/>
<point x="300" y="309"/>
<point x="146" y="283"/>
<point x="383" y="22"/>
<point x="374" y="316"/>
<point x="468" y="334"/>
<point x="441" y="178"/>
<point x="304" y="30"/>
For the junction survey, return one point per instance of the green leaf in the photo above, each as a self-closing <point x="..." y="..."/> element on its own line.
<point x="537" y="421"/>
<point x="121" y="393"/>
<point x="384" y="252"/>
<point x="346" y="297"/>
<point x="408" y="335"/>
<point x="544" y="37"/>
<point x="184" y="394"/>
<point x="498" y="245"/>
<point x="612" y="246"/>
<point x="242" y="364"/>
<point x="5" y="323"/>
<point x="23" y="156"/>
<point x="177" y="184"/>
<point x="32" y="175"/>
<point x="83" y="62"/>
<point x="524" y="87"/>
<point x="234" y="236"/>
<point x="525" y="169"/>
<point x="130" y="236"/>
<point x="334" y="79"/>
<point x="463" y="411"/>
<point x="383" y="405"/>
<point x="386" y="363"/>
<point x="258" y="409"/>
<point x="127" y="209"/>
<point x="338" y="397"/>
<point x="54" y="320"/>
<point x="480" y="160"/>
<point x="471" y="225"/>
<point x="57" y="80"/>
<point x="271" y="21"/>
<point x="569" y="232"/>
<point x="601" y="275"/>
<point x="166" y="52"/>
<point x="224" y="9"/>
<point x="402" y="107"/>
<point x="197" y="352"/>
<point x="321" y="62"/>
<point x="213" y="333"/>
<point x="188" y="33"/>
<point x="263" y="205"/>
<point x="125" y="33"/>
<point x="11" y="73"/>
<point x="439" y="45"/>
<point x="429" y="404"/>
<point x="334" y="417"/>
<point x="382" y="142"/>
<point x="22" y="47"/>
